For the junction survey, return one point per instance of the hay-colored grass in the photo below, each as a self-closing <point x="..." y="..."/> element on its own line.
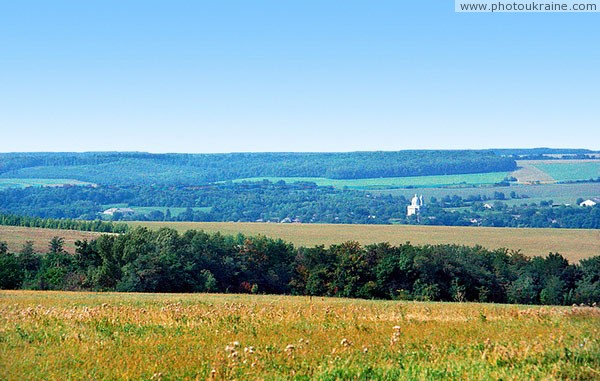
<point x="16" y="236"/>
<point x="574" y="244"/>
<point x="65" y="335"/>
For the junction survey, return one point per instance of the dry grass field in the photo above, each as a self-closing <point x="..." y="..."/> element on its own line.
<point x="574" y="244"/>
<point x="16" y="236"/>
<point x="90" y="336"/>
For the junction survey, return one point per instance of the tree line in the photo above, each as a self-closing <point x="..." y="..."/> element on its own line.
<point x="195" y="261"/>
<point x="64" y="224"/>
<point x="127" y="168"/>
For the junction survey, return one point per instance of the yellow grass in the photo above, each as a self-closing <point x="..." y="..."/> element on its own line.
<point x="64" y="335"/>
<point x="16" y="236"/>
<point x="574" y="244"/>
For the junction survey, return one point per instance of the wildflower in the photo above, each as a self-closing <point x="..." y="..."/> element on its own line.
<point x="395" y="335"/>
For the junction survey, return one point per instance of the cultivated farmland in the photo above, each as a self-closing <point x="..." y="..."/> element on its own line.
<point x="473" y="179"/>
<point x="57" y="336"/>
<point x="574" y="244"/>
<point x="550" y="171"/>
<point x="16" y="236"/>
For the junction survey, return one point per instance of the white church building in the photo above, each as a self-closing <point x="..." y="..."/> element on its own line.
<point x="415" y="206"/>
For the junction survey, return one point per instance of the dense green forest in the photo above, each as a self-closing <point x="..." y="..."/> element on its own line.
<point x="299" y="202"/>
<point x="112" y="168"/>
<point x="195" y="261"/>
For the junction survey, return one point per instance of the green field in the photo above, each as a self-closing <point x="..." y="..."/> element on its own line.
<point x="571" y="171"/>
<point x="23" y="182"/>
<point x="562" y="193"/>
<point x="551" y="171"/>
<point x="574" y="244"/>
<point x="392" y="182"/>
<point x="175" y="211"/>
<point x="97" y="336"/>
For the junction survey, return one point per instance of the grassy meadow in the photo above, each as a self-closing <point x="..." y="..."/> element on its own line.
<point x="68" y="335"/>
<point x="16" y="236"/>
<point x="574" y="244"/>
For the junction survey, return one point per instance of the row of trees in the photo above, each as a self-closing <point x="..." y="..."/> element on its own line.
<point x="165" y="261"/>
<point x="65" y="224"/>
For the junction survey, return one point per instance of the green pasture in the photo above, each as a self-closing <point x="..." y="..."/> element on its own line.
<point x="571" y="171"/>
<point x="175" y="211"/>
<point x="563" y="193"/>
<point x="394" y="182"/>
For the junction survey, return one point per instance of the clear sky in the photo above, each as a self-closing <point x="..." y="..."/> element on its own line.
<point x="293" y="75"/>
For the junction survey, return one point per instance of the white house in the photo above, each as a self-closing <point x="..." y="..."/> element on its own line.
<point x="588" y="203"/>
<point x="112" y="211"/>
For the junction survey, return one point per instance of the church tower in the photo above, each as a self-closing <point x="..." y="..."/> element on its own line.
<point x="415" y="206"/>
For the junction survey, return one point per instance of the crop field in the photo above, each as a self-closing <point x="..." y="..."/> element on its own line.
<point x="16" y="236"/>
<point x="391" y="182"/>
<point x="72" y="335"/>
<point x="580" y="170"/>
<point x="574" y="244"/>
<point x="175" y="211"/>
<point x="23" y="182"/>
<point x="550" y="171"/>
<point x="563" y="193"/>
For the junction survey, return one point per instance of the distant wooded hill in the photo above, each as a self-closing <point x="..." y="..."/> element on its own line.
<point x="114" y="168"/>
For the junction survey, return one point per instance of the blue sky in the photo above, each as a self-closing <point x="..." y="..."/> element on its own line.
<point x="297" y="75"/>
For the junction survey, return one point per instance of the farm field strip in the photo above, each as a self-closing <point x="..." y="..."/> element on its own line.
<point x="16" y="236"/>
<point x="567" y="192"/>
<point x="550" y="171"/>
<point x="175" y="211"/>
<point x="574" y="244"/>
<point x="571" y="171"/>
<point x="74" y="335"/>
<point x="26" y="182"/>
<point x="383" y="182"/>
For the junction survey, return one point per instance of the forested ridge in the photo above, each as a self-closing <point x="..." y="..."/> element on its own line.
<point x="127" y="168"/>
<point x="195" y="261"/>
